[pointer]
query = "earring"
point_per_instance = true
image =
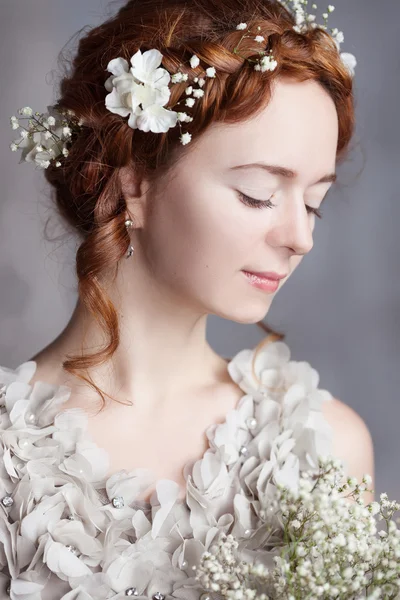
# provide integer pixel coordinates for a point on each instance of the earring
(128, 225)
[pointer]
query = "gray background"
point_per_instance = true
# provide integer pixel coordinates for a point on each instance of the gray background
(340, 310)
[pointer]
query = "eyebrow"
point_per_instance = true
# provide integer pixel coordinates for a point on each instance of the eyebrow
(284, 172)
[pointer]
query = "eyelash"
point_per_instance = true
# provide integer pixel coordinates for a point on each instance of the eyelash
(268, 204)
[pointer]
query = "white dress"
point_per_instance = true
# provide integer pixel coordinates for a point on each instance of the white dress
(69, 532)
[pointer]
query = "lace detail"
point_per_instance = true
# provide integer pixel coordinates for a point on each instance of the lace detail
(69, 531)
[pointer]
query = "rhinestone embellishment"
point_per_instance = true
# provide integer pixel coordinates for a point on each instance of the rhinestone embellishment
(30, 418)
(132, 591)
(243, 450)
(72, 549)
(7, 501)
(158, 596)
(118, 502)
(251, 423)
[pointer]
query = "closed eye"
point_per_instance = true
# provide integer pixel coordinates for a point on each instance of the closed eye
(268, 204)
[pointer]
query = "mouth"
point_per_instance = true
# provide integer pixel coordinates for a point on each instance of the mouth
(271, 275)
(268, 284)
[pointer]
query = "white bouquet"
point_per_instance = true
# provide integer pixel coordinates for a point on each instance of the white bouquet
(318, 541)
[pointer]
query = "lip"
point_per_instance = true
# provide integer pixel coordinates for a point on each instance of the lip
(263, 283)
(266, 275)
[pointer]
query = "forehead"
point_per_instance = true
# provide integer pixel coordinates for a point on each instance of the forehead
(297, 129)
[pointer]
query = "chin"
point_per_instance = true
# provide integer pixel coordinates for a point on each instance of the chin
(247, 314)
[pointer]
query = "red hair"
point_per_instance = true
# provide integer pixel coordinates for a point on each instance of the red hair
(87, 187)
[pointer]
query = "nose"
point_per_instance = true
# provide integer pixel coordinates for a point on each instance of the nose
(292, 226)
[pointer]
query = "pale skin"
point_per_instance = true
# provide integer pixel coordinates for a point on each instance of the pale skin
(193, 236)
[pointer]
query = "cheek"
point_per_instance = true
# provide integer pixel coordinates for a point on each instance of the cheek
(196, 238)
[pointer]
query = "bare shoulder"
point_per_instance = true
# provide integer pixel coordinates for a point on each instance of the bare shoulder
(352, 440)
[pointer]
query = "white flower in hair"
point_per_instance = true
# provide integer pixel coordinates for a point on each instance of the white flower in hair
(349, 61)
(194, 61)
(141, 91)
(45, 139)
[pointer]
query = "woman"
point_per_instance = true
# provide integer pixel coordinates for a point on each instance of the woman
(129, 445)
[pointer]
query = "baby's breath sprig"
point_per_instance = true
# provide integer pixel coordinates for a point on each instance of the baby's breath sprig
(328, 548)
(266, 62)
(305, 20)
(46, 137)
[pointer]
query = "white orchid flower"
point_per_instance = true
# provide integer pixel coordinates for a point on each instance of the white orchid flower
(141, 92)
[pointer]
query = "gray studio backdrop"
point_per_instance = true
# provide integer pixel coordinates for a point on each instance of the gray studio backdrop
(340, 310)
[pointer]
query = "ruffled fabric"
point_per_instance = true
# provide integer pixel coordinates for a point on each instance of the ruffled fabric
(68, 531)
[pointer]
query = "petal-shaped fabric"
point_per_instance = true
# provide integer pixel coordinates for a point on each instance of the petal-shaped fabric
(77, 533)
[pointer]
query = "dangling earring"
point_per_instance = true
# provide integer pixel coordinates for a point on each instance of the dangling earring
(128, 225)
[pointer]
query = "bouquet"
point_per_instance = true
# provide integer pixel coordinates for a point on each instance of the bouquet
(318, 541)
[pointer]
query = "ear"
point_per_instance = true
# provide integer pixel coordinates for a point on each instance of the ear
(134, 191)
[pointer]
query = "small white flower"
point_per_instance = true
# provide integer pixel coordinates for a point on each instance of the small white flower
(201, 82)
(382, 534)
(267, 63)
(311, 18)
(14, 122)
(259, 38)
(350, 62)
(189, 90)
(183, 117)
(58, 164)
(331, 8)
(339, 38)
(194, 61)
(13, 147)
(26, 111)
(241, 26)
(348, 573)
(65, 152)
(325, 15)
(185, 138)
(51, 121)
(210, 72)
(177, 77)
(314, 6)
(67, 131)
(198, 93)
(190, 101)
(375, 508)
(296, 523)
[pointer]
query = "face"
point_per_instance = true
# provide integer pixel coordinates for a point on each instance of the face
(202, 233)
